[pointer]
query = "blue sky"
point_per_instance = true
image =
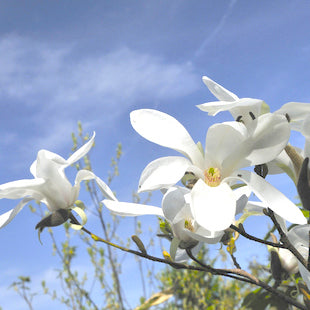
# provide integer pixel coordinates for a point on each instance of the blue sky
(95, 61)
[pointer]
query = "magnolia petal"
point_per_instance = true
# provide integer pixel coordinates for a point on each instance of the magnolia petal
(173, 202)
(86, 175)
(82, 151)
(305, 274)
(181, 255)
(215, 107)
(83, 217)
(299, 234)
(213, 208)
(305, 130)
(204, 235)
(22, 188)
(40, 168)
(296, 111)
(163, 172)
(242, 195)
(173, 247)
(50, 167)
(163, 129)
(223, 139)
(247, 109)
(244, 109)
(269, 195)
(269, 138)
(7, 217)
(131, 209)
(282, 163)
(219, 91)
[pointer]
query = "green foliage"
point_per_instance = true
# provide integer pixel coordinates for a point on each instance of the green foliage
(23, 290)
(260, 299)
(199, 290)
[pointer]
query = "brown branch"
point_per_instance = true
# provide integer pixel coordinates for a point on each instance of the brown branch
(236, 274)
(242, 232)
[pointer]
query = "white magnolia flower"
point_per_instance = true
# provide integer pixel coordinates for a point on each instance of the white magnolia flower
(242, 109)
(245, 109)
(176, 210)
(229, 147)
(50, 184)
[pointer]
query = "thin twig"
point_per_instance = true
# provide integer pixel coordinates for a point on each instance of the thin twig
(243, 233)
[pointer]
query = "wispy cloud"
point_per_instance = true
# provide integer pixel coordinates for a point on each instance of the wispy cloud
(211, 36)
(52, 86)
(32, 70)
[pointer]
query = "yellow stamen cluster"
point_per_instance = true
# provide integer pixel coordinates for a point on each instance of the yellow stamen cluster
(212, 176)
(189, 225)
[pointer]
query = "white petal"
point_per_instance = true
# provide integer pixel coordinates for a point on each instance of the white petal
(224, 139)
(242, 196)
(244, 108)
(22, 188)
(282, 163)
(269, 138)
(247, 109)
(7, 217)
(297, 112)
(131, 209)
(305, 274)
(269, 195)
(163, 172)
(305, 128)
(84, 175)
(181, 255)
(215, 107)
(173, 202)
(219, 91)
(299, 234)
(163, 129)
(82, 151)
(50, 166)
(213, 207)
(203, 235)
(38, 167)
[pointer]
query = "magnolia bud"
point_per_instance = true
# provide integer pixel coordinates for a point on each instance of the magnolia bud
(303, 185)
(276, 268)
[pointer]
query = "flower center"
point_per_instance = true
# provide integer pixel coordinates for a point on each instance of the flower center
(212, 176)
(188, 224)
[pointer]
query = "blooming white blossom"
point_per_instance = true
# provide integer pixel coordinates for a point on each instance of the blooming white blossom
(245, 109)
(248, 109)
(229, 147)
(176, 210)
(50, 184)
